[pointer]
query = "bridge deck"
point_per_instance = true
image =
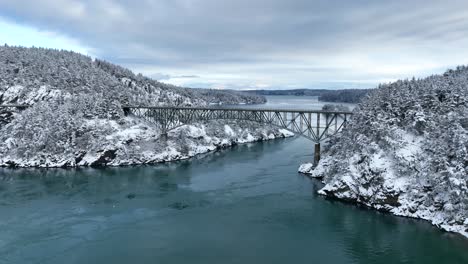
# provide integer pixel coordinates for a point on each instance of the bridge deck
(235, 108)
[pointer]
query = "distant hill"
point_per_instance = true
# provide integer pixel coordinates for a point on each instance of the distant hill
(296, 92)
(75, 115)
(342, 96)
(31, 75)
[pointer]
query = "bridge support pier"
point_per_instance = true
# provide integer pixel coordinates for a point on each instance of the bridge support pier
(163, 136)
(317, 154)
(126, 111)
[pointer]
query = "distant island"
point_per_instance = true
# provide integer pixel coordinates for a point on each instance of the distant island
(343, 96)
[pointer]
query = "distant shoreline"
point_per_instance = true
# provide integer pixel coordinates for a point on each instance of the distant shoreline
(343, 96)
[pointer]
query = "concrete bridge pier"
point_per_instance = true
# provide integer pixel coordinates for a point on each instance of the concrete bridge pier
(163, 135)
(126, 111)
(316, 154)
(163, 131)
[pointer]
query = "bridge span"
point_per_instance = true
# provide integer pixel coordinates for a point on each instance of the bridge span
(315, 125)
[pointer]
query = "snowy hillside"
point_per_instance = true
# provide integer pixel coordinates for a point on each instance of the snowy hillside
(406, 151)
(29, 75)
(75, 115)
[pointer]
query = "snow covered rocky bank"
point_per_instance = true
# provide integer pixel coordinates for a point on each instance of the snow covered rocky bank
(130, 142)
(75, 115)
(405, 152)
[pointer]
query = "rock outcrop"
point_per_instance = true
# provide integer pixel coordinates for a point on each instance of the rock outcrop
(405, 151)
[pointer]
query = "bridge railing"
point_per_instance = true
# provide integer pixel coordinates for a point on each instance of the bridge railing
(211, 108)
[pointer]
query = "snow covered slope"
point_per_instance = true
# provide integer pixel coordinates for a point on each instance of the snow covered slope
(29, 75)
(406, 151)
(76, 114)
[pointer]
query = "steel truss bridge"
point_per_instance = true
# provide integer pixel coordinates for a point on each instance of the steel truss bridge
(315, 125)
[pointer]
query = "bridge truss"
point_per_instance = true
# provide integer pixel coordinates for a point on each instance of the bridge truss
(314, 125)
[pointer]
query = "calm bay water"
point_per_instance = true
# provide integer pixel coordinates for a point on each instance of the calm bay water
(293, 102)
(245, 204)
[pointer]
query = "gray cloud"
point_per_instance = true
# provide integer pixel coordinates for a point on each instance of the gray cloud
(186, 76)
(163, 76)
(160, 76)
(297, 42)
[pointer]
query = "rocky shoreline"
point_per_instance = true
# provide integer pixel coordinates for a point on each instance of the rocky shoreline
(405, 151)
(137, 142)
(391, 201)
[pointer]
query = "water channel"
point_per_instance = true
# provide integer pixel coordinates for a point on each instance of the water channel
(245, 204)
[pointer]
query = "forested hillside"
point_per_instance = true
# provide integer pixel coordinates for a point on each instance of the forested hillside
(406, 151)
(325, 95)
(75, 115)
(353, 96)
(28, 75)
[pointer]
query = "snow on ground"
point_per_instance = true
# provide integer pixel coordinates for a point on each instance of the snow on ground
(411, 146)
(228, 130)
(286, 133)
(391, 194)
(137, 142)
(12, 93)
(405, 152)
(385, 180)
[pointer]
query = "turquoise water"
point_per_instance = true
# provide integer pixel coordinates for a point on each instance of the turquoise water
(240, 205)
(293, 102)
(245, 204)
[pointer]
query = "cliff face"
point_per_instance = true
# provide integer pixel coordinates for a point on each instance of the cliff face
(406, 151)
(75, 115)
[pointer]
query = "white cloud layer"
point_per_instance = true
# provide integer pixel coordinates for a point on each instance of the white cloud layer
(255, 43)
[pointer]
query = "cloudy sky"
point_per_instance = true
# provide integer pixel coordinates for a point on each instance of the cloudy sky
(243, 44)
